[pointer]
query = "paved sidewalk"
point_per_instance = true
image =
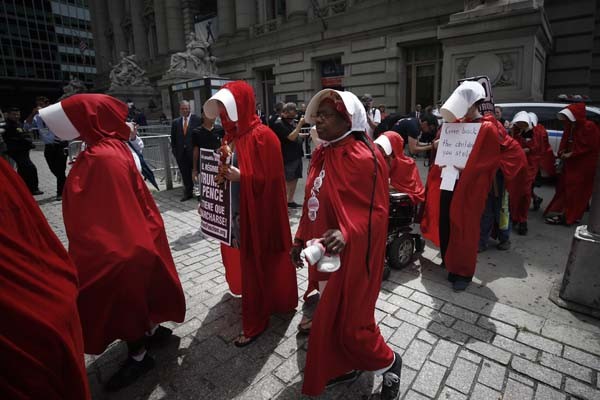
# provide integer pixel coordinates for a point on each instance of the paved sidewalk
(500, 339)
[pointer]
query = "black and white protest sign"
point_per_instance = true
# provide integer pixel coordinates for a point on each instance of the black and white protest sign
(215, 201)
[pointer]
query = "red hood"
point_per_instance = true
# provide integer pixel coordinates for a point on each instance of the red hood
(97, 116)
(578, 110)
(245, 103)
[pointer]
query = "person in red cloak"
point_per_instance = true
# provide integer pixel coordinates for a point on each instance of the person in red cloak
(546, 156)
(578, 150)
(452, 218)
(261, 269)
(404, 174)
(547, 160)
(41, 346)
(533, 146)
(346, 208)
(117, 240)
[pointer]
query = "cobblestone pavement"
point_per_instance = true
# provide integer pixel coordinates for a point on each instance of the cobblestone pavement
(473, 345)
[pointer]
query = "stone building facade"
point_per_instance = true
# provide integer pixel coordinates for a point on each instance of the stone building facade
(409, 52)
(150, 29)
(402, 52)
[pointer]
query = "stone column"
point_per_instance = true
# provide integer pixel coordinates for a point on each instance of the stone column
(226, 15)
(245, 16)
(261, 18)
(162, 38)
(174, 25)
(115, 9)
(140, 40)
(296, 9)
(99, 16)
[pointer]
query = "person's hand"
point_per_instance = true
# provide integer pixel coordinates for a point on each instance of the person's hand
(195, 175)
(334, 241)
(232, 174)
(564, 156)
(295, 256)
(301, 122)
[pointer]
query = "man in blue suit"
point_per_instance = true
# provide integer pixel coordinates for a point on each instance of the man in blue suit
(182, 147)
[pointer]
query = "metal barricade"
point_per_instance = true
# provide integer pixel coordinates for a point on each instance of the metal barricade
(157, 154)
(75, 147)
(154, 130)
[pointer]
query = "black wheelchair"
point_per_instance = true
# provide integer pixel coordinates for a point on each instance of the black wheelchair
(402, 244)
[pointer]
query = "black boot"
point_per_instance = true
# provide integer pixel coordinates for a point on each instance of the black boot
(391, 380)
(129, 373)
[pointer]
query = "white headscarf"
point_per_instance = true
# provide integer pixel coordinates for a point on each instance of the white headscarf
(522, 116)
(463, 97)
(534, 119)
(354, 108)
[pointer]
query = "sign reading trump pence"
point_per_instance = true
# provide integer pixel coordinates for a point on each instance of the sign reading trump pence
(215, 202)
(454, 148)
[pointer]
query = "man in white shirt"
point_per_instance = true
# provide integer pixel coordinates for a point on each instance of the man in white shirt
(373, 114)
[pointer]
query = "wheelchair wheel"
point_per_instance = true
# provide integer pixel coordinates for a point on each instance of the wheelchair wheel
(400, 251)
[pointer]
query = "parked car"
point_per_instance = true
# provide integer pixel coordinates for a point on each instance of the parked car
(547, 116)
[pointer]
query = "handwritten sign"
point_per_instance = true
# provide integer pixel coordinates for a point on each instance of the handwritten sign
(454, 148)
(215, 202)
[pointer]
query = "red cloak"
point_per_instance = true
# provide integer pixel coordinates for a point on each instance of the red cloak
(513, 164)
(547, 159)
(404, 174)
(117, 239)
(344, 335)
(41, 346)
(468, 202)
(575, 183)
(268, 277)
(519, 203)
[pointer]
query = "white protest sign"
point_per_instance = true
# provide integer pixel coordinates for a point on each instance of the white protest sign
(454, 149)
(215, 201)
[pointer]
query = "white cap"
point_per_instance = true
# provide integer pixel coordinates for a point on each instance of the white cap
(211, 106)
(522, 116)
(566, 113)
(385, 144)
(534, 119)
(463, 97)
(56, 119)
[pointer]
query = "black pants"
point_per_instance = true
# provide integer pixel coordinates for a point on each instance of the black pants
(26, 169)
(445, 201)
(56, 157)
(185, 163)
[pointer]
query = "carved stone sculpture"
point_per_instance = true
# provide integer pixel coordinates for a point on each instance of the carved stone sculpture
(128, 73)
(73, 87)
(195, 59)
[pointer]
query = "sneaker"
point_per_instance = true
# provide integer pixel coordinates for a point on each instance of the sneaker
(504, 245)
(160, 338)
(522, 229)
(390, 389)
(293, 204)
(129, 373)
(348, 377)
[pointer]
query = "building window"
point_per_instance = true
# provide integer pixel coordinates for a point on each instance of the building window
(266, 94)
(423, 75)
(332, 73)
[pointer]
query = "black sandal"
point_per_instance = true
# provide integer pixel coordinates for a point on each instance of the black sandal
(249, 341)
(555, 220)
(304, 327)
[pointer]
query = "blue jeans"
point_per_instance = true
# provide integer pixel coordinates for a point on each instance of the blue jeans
(496, 207)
